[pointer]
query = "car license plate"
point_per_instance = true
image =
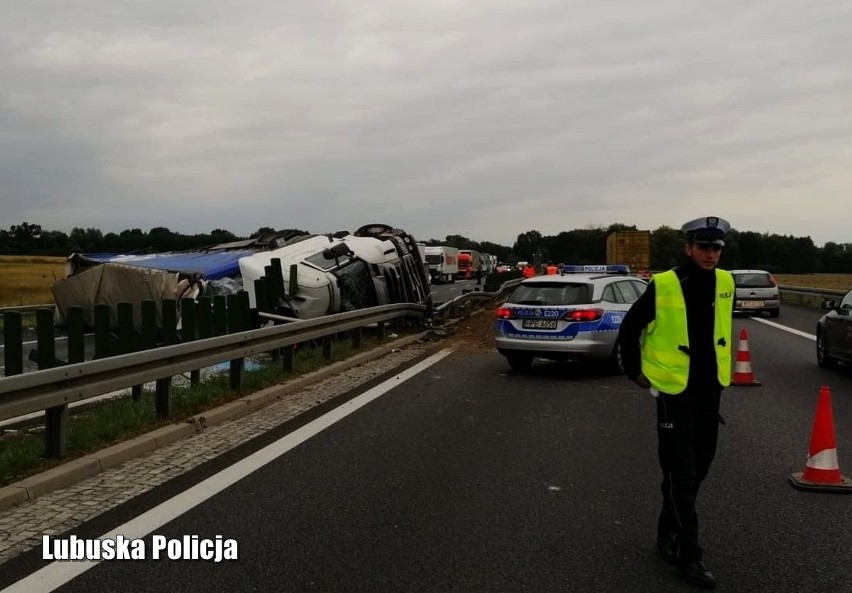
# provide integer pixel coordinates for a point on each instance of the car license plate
(539, 324)
(752, 304)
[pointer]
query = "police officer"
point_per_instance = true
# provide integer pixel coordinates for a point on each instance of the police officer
(683, 321)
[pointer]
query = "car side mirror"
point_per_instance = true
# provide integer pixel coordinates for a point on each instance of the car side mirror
(829, 304)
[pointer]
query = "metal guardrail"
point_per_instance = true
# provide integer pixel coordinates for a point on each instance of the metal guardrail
(41, 390)
(45, 389)
(449, 308)
(802, 292)
(806, 291)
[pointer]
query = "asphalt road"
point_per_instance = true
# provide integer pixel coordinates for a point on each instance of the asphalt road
(471, 477)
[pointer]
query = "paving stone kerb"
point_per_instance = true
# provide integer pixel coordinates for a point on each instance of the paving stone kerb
(87, 466)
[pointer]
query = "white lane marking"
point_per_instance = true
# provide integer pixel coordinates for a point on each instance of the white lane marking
(787, 329)
(56, 574)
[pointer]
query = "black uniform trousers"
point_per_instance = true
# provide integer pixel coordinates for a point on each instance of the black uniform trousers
(687, 430)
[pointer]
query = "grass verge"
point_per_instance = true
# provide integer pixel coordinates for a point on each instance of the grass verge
(102, 425)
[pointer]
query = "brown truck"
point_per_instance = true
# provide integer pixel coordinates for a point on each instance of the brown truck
(632, 248)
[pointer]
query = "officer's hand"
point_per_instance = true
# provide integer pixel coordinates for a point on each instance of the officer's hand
(642, 381)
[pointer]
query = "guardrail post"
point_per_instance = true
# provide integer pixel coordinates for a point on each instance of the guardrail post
(189, 330)
(326, 347)
(13, 338)
(294, 280)
(380, 331)
(169, 329)
(148, 335)
(261, 295)
(126, 334)
(220, 315)
(75, 327)
(235, 325)
(288, 356)
(103, 331)
(205, 318)
(45, 336)
(278, 277)
(271, 288)
(56, 418)
(356, 338)
(169, 333)
(245, 311)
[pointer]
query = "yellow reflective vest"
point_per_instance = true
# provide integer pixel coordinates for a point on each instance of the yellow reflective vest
(665, 344)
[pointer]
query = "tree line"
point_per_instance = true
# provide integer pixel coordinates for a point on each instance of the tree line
(743, 249)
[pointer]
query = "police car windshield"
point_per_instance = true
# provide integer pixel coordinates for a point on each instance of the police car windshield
(550, 294)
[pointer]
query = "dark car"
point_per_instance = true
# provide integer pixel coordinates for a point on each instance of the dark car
(834, 332)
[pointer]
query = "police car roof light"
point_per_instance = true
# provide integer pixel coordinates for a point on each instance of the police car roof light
(597, 269)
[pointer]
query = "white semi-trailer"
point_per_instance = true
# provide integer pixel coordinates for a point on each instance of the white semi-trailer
(443, 263)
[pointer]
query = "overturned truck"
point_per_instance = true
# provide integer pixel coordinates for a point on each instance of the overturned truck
(323, 273)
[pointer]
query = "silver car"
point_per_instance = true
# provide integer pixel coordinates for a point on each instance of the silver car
(756, 291)
(573, 315)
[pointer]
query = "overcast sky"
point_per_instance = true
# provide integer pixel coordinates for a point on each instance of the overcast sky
(485, 118)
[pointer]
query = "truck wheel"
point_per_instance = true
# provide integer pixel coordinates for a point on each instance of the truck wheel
(373, 230)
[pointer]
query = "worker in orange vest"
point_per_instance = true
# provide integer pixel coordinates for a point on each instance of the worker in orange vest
(529, 271)
(551, 269)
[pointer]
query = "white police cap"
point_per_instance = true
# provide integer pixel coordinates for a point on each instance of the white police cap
(710, 229)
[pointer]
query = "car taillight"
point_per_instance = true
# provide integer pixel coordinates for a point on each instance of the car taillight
(772, 280)
(505, 313)
(583, 315)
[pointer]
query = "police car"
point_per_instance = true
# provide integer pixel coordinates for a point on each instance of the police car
(573, 315)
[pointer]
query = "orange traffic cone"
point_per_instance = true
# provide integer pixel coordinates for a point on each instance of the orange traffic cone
(743, 375)
(822, 473)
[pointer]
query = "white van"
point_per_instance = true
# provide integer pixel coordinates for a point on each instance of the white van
(443, 262)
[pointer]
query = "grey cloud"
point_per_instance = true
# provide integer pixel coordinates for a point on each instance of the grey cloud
(481, 119)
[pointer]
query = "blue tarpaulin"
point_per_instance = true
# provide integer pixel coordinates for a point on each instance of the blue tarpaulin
(210, 265)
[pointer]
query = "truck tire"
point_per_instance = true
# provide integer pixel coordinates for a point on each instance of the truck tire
(373, 230)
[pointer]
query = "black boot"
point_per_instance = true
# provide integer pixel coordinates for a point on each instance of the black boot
(697, 574)
(667, 550)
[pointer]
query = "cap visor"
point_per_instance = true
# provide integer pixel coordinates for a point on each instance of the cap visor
(718, 242)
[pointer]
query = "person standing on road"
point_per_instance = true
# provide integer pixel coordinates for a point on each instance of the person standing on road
(676, 341)
(529, 271)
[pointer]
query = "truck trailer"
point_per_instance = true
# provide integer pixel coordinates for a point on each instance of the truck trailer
(469, 262)
(443, 263)
(631, 248)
